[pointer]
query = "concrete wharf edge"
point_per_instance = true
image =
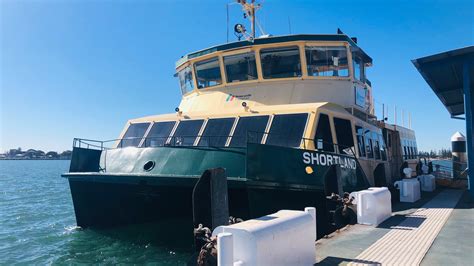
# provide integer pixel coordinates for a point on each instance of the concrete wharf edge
(410, 236)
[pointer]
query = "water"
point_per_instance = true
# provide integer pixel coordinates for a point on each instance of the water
(37, 225)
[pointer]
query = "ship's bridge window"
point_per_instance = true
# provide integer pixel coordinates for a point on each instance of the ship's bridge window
(323, 135)
(216, 132)
(345, 140)
(358, 68)
(186, 132)
(360, 141)
(281, 62)
(327, 61)
(186, 80)
(134, 135)
(240, 67)
(287, 130)
(208, 73)
(249, 129)
(158, 134)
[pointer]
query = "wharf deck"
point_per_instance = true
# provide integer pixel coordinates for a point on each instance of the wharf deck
(437, 230)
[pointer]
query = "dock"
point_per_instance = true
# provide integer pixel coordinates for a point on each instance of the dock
(436, 230)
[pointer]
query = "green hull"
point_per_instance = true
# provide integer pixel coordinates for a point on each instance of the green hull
(262, 179)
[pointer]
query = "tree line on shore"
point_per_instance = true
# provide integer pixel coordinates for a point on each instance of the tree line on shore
(32, 154)
(442, 153)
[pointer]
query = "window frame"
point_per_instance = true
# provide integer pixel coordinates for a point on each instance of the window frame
(301, 44)
(236, 123)
(332, 130)
(364, 147)
(351, 125)
(205, 126)
(240, 52)
(286, 45)
(182, 68)
(173, 132)
(167, 140)
(270, 124)
(139, 144)
(322, 44)
(221, 71)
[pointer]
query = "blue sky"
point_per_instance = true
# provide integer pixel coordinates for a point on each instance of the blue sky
(83, 68)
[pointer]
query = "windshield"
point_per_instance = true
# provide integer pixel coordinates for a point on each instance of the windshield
(186, 80)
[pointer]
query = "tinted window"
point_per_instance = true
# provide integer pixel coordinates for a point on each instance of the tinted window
(216, 132)
(287, 130)
(323, 137)
(134, 135)
(186, 132)
(369, 144)
(252, 127)
(356, 64)
(281, 62)
(383, 148)
(240, 67)
(186, 80)
(360, 141)
(344, 137)
(159, 134)
(327, 61)
(376, 145)
(208, 73)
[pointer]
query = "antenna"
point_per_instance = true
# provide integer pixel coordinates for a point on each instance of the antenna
(250, 10)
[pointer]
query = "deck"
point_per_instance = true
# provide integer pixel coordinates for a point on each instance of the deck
(436, 230)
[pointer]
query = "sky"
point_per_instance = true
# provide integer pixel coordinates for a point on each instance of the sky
(83, 68)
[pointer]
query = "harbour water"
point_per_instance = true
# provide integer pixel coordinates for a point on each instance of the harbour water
(37, 225)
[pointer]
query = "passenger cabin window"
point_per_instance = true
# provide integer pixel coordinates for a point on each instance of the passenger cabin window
(216, 132)
(357, 66)
(186, 132)
(287, 130)
(186, 80)
(240, 67)
(360, 141)
(134, 135)
(383, 148)
(345, 140)
(376, 145)
(249, 129)
(208, 73)
(281, 62)
(327, 61)
(323, 135)
(158, 134)
(369, 144)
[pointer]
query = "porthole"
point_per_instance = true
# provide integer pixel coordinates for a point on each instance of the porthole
(149, 166)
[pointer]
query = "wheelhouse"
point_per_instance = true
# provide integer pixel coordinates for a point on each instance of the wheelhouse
(294, 57)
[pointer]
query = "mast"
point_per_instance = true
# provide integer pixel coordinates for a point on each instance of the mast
(250, 11)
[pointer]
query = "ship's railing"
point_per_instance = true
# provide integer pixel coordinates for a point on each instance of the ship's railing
(218, 141)
(450, 169)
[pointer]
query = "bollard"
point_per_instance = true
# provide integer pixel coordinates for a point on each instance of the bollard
(312, 211)
(458, 146)
(225, 249)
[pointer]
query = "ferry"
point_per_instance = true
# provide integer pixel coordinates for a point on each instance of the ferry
(290, 118)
